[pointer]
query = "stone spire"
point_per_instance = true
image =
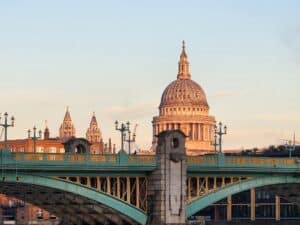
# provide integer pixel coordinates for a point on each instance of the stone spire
(183, 65)
(93, 133)
(67, 129)
(46, 132)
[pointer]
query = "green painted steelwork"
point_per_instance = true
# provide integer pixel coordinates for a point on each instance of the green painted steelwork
(147, 163)
(134, 165)
(263, 170)
(221, 193)
(213, 164)
(110, 201)
(79, 164)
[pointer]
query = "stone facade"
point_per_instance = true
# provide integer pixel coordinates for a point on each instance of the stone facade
(184, 106)
(67, 129)
(94, 136)
(167, 189)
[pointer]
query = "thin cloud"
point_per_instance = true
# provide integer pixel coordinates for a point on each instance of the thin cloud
(278, 117)
(224, 94)
(138, 111)
(291, 41)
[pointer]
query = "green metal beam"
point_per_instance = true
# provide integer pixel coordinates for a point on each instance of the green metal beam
(221, 193)
(110, 201)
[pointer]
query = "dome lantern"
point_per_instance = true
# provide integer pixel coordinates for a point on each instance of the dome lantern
(183, 65)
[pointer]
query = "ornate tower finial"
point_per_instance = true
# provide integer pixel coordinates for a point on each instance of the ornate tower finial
(46, 131)
(67, 129)
(183, 65)
(93, 133)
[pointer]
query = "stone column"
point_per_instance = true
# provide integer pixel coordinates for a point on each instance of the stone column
(167, 184)
(229, 208)
(175, 126)
(153, 132)
(252, 204)
(201, 132)
(277, 208)
(188, 131)
(195, 131)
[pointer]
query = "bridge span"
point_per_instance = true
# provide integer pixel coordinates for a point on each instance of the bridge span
(166, 188)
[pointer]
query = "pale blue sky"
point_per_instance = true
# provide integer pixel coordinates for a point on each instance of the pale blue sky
(116, 58)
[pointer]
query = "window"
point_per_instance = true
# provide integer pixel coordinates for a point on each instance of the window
(40, 149)
(52, 149)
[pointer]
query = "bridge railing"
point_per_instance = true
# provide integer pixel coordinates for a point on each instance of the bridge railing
(21, 156)
(122, 158)
(111, 159)
(221, 160)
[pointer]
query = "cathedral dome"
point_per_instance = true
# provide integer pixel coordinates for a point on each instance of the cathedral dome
(184, 107)
(183, 91)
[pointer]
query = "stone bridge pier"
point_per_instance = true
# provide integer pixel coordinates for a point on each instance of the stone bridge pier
(167, 183)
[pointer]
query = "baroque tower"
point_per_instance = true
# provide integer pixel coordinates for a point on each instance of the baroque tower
(184, 107)
(94, 136)
(67, 129)
(93, 133)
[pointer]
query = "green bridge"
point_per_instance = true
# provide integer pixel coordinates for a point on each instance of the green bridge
(121, 188)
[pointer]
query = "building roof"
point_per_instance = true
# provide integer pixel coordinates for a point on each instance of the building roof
(183, 91)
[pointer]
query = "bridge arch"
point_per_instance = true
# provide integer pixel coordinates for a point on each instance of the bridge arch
(221, 193)
(128, 211)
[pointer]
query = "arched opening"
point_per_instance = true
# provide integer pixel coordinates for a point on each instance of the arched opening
(77, 145)
(72, 203)
(80, 149)
(268, 197)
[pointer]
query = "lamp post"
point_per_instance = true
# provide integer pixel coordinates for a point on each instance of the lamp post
(34, 137)
(215, 140)
(130, 140)
(6, 125)
(220, 131)
(123, 128)
(289, 147)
